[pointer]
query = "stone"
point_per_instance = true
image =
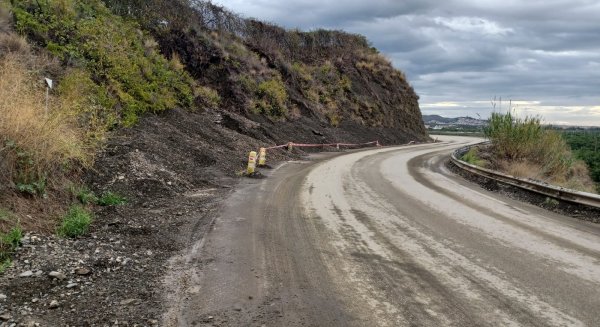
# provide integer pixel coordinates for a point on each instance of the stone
(83, 271)
(127, 302)
(27, 273)
(71, 285)
(5, 317)
(57, 275)
(2, 297)
(53, 304)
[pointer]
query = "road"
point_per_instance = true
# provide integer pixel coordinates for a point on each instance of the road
(385, 237)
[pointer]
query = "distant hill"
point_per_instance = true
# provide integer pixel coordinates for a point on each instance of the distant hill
(460, 121)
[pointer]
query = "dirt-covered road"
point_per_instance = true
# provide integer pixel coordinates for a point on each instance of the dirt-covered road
(385, 237)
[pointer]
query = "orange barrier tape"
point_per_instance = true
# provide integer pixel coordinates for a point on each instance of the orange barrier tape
(301, 145)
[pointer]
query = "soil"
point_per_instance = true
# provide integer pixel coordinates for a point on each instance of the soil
(562, 207)
(175, 171)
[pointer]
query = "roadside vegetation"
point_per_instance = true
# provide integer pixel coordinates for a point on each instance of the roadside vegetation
(522, 147)
(585, 145)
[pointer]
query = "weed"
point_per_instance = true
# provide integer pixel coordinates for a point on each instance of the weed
(4, 264)
(550, 202)
(111, 199)
(83, 195)
(9, 241)
(472, 157)
(76, 222)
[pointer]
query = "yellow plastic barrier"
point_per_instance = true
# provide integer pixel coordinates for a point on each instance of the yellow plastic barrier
(251, 162)
(262, 157)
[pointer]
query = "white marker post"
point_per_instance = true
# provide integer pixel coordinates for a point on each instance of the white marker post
(48, 87)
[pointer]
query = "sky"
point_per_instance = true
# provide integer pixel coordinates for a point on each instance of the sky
(542, 57)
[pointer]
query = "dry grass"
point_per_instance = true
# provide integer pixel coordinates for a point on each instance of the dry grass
(33, 145)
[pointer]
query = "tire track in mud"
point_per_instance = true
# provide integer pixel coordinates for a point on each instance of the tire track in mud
(388, 237)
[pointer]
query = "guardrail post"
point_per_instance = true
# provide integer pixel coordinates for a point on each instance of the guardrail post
(337, 146)
(262, 157)
(377, 143)
(251, 162)
(290, 146)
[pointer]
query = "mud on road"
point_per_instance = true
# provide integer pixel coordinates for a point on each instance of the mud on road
(385, 237)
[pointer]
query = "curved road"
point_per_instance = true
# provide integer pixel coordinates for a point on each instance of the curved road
(385, 237)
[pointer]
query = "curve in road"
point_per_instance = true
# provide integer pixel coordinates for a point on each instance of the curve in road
(385, 237)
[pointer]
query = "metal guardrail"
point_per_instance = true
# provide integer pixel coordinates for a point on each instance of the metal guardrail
(584, 198)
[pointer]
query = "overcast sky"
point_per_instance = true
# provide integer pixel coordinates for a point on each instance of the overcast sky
(459, 54)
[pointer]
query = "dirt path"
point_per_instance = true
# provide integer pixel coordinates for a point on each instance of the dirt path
(385, 237)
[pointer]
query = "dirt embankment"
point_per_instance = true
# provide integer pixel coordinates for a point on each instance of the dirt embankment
(174, 169)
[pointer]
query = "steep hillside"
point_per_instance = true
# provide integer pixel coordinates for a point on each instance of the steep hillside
(271, 74)
(116, 61)
(154, 107)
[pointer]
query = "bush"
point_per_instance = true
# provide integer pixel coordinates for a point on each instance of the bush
(76, 222)
(273, 97)
(520, 143)
(111, 199)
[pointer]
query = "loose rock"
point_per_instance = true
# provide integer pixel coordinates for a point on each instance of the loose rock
(57, 275)
(27, 273)
(54, 304)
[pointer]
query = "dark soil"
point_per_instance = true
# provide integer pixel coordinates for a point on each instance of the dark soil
(562, 207)
(175, 170)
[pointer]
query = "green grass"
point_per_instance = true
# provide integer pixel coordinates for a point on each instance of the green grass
(9, 241)
(83, 195)
(472, 157)
(111, 199)
(76, 222)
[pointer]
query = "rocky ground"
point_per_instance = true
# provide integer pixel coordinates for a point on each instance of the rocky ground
(175, 170)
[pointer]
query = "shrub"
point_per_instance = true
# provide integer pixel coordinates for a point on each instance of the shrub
(122, 60)
(273, 96)
(111, 199)
(208, 96)
(525, 143)
(76, 222)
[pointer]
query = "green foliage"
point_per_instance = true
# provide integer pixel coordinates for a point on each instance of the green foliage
(272, 98)
(4, 264)
(10, 240)
(472, 157)
(586, 146)
(209, 96)
(131, 77)
(76, 222)
(83, 195)
(111, 199)
(35, 188)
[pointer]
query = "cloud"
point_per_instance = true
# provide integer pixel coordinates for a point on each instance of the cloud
(467, 51)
